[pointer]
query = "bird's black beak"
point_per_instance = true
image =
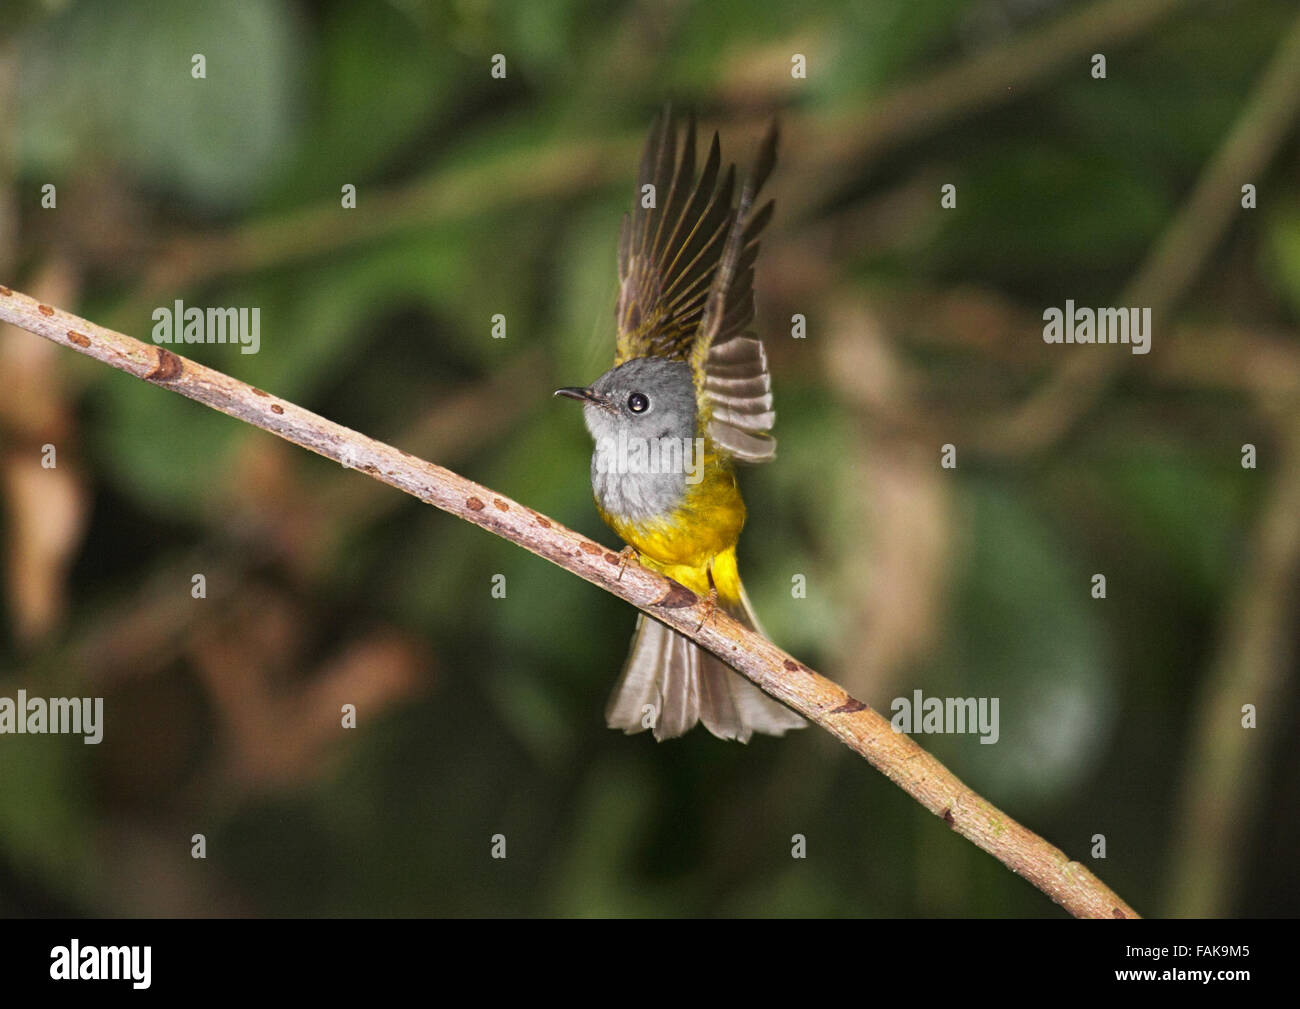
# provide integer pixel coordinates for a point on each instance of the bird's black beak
(584, 396)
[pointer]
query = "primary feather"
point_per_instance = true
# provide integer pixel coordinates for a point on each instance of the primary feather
(686, 283)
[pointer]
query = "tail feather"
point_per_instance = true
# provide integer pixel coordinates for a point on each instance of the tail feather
(669, 684)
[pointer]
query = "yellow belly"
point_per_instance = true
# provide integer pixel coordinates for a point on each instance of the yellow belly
(699, 535)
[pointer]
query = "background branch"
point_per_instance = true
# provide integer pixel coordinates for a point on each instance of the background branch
(1167, 273)
(820, 700)
(839, 142)
(1219, 799)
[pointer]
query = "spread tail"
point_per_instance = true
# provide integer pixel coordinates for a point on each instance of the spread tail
(669, 683)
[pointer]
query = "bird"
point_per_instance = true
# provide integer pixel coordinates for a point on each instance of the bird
(688, 398)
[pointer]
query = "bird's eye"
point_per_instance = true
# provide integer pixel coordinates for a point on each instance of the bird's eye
(638, 402)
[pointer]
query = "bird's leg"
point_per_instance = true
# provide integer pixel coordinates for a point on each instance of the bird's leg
(628, 553)
(710, 601)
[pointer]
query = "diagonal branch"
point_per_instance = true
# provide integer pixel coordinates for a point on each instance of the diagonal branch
(818, 699)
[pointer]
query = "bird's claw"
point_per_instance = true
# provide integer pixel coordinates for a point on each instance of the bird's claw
(710, 607)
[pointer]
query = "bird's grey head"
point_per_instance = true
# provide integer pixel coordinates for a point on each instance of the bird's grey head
(642, 415)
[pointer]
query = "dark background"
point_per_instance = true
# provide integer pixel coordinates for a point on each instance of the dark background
(477, 196)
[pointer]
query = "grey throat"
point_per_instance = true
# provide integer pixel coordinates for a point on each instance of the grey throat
(643, 421)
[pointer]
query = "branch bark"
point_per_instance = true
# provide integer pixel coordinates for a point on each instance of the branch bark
(815, 697)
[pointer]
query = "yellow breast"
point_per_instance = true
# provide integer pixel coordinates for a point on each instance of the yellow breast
(705, 526)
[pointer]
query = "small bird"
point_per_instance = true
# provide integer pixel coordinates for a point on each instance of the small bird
(689, 396)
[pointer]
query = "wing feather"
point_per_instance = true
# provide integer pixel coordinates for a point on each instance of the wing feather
(686, 282)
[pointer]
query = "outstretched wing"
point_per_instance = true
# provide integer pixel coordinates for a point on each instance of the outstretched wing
(686, 273)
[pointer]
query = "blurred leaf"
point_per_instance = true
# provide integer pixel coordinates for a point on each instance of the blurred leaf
(1176, 512)
(799, 516)
(1027, 632)
(113, 79)
(608, 817)
(46, 821)
(379, 82)
(1071, 222)
(1283, 260)
(882, 42)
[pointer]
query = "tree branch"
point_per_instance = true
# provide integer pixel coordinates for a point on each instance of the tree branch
(818, 699)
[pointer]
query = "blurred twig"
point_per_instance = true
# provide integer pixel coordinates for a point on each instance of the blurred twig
(859, 727)
(320, 229)
(1000, 336)
(1162, 280)
(840, 141)
(45, 509)
(8, 159)
(1166, 275)
(897, 565)
(1223, 771)
(987, 78)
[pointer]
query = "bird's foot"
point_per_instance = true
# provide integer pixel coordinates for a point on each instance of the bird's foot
(710, 607)
(625, 556)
